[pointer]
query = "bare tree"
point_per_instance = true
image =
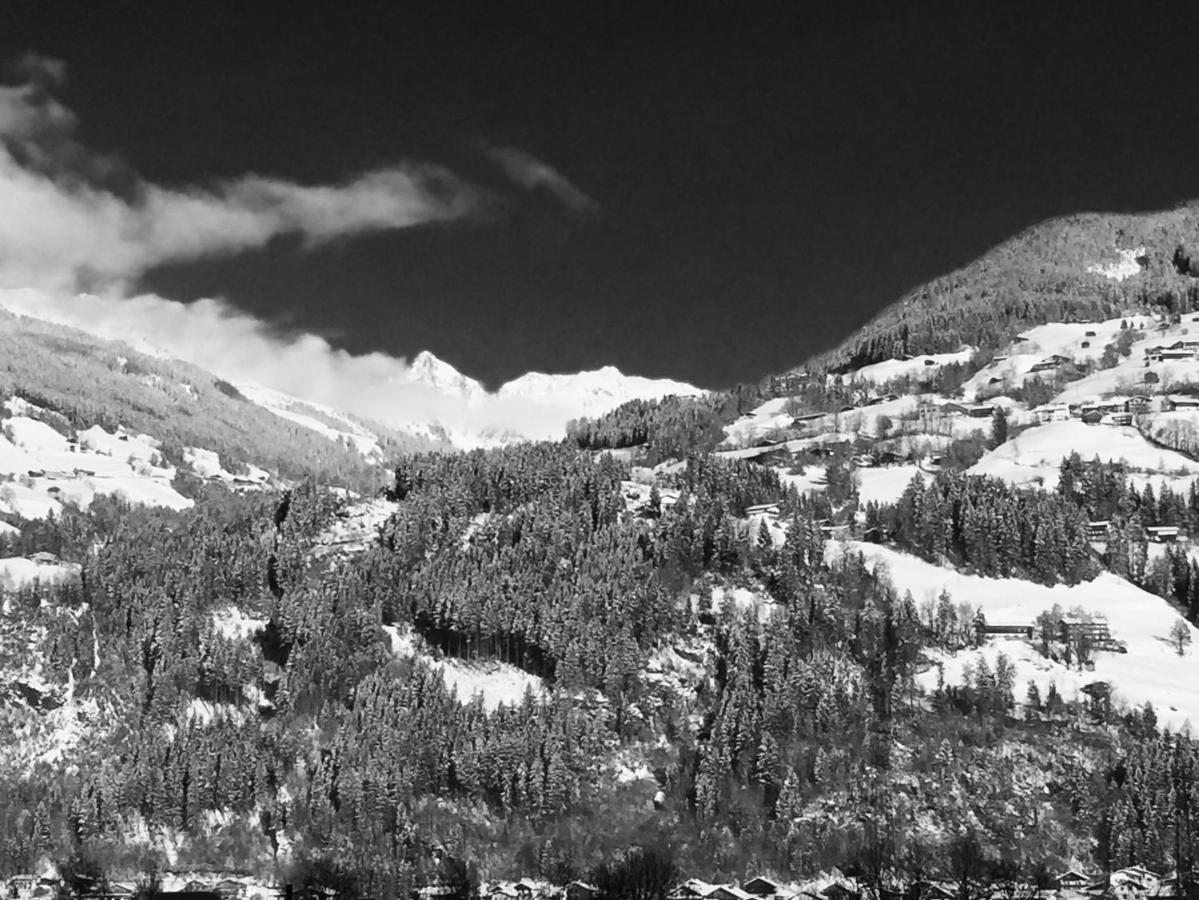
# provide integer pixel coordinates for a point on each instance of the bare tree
(1180, 636)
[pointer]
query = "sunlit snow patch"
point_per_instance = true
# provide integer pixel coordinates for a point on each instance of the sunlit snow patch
(1124, 266)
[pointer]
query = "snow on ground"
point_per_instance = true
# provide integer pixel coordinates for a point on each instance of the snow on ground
(1124, 266)
(813, 478)
(741, 599)
(885, 484)
(207, 464)
(916, 367)
(1033, 456)
(496, 682)
(324, 420)
(356, 527)
(1062, 339)
(127, 448)
(34, 436)
(233, 623)
(205, 713)
(40, 469)
(17, 572)
(769, 417)
(1151, 670)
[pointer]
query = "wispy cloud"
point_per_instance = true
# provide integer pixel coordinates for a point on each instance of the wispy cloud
(58, 228)
(532, 174)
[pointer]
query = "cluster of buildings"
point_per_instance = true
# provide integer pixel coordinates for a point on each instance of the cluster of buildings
(1177, 350)
(1133, 883)
(1111, 410)
(1157, 534)
(183, 886)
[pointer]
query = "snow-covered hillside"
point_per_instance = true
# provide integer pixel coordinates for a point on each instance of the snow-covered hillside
(41, 469)
(1151, 671)
(1034, 456)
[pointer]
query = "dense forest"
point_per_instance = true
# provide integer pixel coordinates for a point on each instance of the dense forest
(1040, 275)
(319, 739)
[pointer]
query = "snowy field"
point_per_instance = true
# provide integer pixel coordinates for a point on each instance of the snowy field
(1033, 457)
(1150, 671)
(1061, 339)
(885, 484)
(496, 682)
(916, 367)
(40, 469)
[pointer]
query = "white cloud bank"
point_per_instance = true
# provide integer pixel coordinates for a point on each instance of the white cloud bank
(70, 249)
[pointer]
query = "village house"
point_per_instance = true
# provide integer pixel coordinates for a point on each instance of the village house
(1072, 880)
(1050, 363)
(1163, 534)
(580, 890)
(1052, 412)
(980, 411)
(1097, 530)
(761, 886)
(691, 889)
(1024, 631)
(1180, 401)
(763, 509)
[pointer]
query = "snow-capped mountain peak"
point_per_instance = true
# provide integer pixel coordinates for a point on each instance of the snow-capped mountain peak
(436, 373)
(595, 391)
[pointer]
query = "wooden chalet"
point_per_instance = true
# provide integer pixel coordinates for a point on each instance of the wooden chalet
(1052, 412)
(1050, 363)
(761, 886)
(1097, 530)
(729, 892)
(1163, 534)
(1180, 401)
(1072, 880)
(1024, 631)
(980, 411)
(1139, 403)
(580, 890)
(691, 889)
(763, 509)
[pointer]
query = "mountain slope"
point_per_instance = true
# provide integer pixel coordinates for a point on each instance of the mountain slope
(92, 382)
(1074, 268)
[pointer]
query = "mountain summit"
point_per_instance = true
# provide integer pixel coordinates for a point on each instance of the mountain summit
(438, 374)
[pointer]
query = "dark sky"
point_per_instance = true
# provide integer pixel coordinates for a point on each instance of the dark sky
(767, 177)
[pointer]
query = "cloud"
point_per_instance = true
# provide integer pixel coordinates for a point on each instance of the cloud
(240, 348)
(531, 174)
(72, 249)
(59, 229)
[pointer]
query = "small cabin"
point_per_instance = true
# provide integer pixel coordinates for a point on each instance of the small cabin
(1024, 631)
(580, 890)
(1097, 530)
(761, 886)
(763, 509)
(1163, 534)
(1180, 401)
(980, 411)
